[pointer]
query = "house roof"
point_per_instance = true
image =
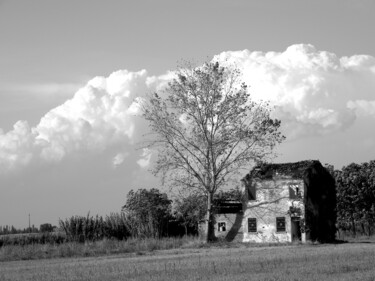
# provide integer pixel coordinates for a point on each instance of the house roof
(295, 170)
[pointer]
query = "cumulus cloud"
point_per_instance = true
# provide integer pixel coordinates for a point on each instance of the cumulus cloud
(314, 92)
(311, 89)
(99, 115)
(16, 146)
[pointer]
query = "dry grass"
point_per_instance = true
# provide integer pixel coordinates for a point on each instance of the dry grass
(95, 248)
(352, 261)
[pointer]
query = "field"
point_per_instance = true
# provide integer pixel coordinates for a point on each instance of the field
(350, 261)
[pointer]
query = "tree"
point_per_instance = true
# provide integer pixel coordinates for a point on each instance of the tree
(190, 209)
(148, 212)
(355, 185)
(206, 129)
(46, 227)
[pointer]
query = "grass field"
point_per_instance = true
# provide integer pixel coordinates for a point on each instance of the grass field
(351, 261)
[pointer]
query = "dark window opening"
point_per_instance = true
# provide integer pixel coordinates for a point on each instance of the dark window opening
(252, 192)
(252, 224)
(294, 192)
(280, 224)
(221, 226)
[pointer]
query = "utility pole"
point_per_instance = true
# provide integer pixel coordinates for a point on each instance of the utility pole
(29, 224)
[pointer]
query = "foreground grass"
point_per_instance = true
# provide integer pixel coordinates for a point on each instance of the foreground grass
(97, 248)
(351, 261)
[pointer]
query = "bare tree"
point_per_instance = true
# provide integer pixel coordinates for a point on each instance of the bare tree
(206, 129)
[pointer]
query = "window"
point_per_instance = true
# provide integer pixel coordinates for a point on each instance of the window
(294, 191)
(252, 192)
(280, 224)
(252, 225)
(221, 227)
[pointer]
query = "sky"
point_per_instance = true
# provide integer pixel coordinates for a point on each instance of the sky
(70, 72)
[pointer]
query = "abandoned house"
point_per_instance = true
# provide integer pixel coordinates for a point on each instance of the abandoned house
(281, 203)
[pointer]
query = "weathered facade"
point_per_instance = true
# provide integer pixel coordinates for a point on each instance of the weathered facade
(282, 203)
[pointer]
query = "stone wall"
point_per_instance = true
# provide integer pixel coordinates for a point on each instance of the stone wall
(228, 227)
(233, 226)
(272, 204)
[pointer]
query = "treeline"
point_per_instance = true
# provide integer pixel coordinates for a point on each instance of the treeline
(355, 195)
(151, 214)
(146, 214)
(10, 229)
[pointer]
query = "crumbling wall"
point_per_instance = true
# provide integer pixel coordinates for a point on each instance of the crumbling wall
(273, 200)
(233, 226)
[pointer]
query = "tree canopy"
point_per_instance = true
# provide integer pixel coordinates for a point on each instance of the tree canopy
(355, 185)
(148, 212)
(207, 129)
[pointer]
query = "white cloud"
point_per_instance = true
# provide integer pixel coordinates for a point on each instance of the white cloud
(96, 117)
(310, 88)
(100, 114)
(314, 93)
(16, 146)
(119, 159)
(363, 107)
(145, 160)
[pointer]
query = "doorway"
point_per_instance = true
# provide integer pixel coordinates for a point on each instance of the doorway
(296, 229)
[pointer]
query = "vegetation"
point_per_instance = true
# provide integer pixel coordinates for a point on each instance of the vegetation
(10, 229)
(206, 129)
(308, 262)
(147, 213)
(89, 228)
(52, 238)
(65, 249)
(355, 186)
(189, 210)
(148, 222)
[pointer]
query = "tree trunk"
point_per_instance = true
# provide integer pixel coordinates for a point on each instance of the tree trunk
(210, 227)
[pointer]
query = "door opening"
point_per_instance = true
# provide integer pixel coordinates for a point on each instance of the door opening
(296, 229)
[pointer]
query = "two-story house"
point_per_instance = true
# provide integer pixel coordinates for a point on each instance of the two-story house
(282, 203)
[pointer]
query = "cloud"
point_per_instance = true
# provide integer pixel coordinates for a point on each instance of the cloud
(119, 159)
(363, 107)
(311, 89)
(314, 93)
(100, 115)
(96, 117)
(145, 160)
(16, 146)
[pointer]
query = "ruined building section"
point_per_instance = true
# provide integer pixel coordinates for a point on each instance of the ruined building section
(228, 221)
(274, 210)
(282, 203)
(228, 218)
(289, 202)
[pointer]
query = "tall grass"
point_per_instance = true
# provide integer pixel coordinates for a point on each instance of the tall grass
(95, 248)
(90, 228)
